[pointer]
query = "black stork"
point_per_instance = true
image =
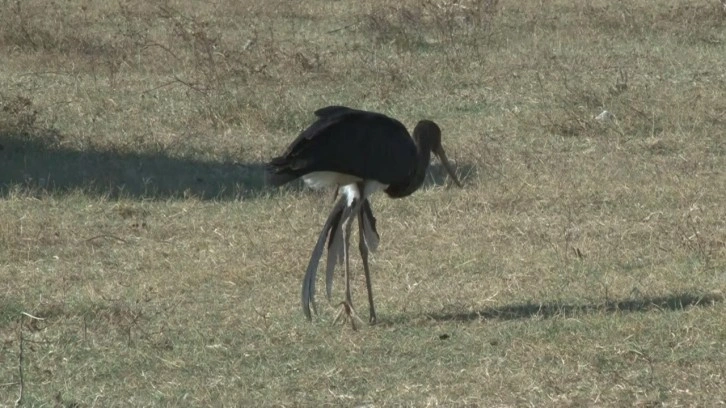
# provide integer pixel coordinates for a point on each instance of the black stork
(358, 153)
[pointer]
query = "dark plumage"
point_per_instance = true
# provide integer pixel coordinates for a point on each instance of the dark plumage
(359, 152)
(328, 144)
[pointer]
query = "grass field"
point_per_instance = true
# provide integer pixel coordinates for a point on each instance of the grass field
(143, 261)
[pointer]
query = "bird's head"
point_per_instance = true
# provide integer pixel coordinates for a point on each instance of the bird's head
(427, 135)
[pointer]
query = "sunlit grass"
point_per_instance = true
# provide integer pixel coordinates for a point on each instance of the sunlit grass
(143, 261)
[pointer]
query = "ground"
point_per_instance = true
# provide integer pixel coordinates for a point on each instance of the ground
(144, 262)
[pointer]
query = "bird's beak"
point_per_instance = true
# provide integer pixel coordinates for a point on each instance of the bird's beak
(445, 161)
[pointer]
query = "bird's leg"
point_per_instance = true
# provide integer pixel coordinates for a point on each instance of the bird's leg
(363, 247)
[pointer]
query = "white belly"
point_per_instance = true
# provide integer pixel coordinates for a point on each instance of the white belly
(346, 183)
(352, 192)
(323, 179)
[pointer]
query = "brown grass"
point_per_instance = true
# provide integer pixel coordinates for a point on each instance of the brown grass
(583, 264)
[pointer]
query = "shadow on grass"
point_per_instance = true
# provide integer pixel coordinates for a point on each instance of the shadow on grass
(678, 301)
(40, 163)
(44, 166)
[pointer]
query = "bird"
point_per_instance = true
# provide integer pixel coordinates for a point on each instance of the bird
(357, 153)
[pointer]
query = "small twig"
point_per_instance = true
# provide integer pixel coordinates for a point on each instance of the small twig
(31, 316)
(163, 47)
(10, 384)
(191, 85)
(20, 367)
(341, 28)
(39, 73)
(105, 236)
(164, 85)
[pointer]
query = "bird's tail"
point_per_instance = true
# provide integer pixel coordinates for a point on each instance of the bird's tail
(308, 287)
(335, 251)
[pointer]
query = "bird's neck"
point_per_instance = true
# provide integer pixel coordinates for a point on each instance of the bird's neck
(423, 158)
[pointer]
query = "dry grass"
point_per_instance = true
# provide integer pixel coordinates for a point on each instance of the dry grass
(583, 264)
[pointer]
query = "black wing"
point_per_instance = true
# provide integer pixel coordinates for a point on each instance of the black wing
(364, 144)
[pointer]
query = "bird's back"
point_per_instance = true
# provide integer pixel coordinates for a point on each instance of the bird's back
(362, 144)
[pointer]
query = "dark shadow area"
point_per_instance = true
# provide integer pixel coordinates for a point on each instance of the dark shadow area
(39, 162)
(43, 166)
(678, 301)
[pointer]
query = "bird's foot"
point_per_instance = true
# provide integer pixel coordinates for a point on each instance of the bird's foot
(347, 313)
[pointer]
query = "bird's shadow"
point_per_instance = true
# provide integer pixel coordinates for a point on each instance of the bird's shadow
(40, 162)
(548, 310)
